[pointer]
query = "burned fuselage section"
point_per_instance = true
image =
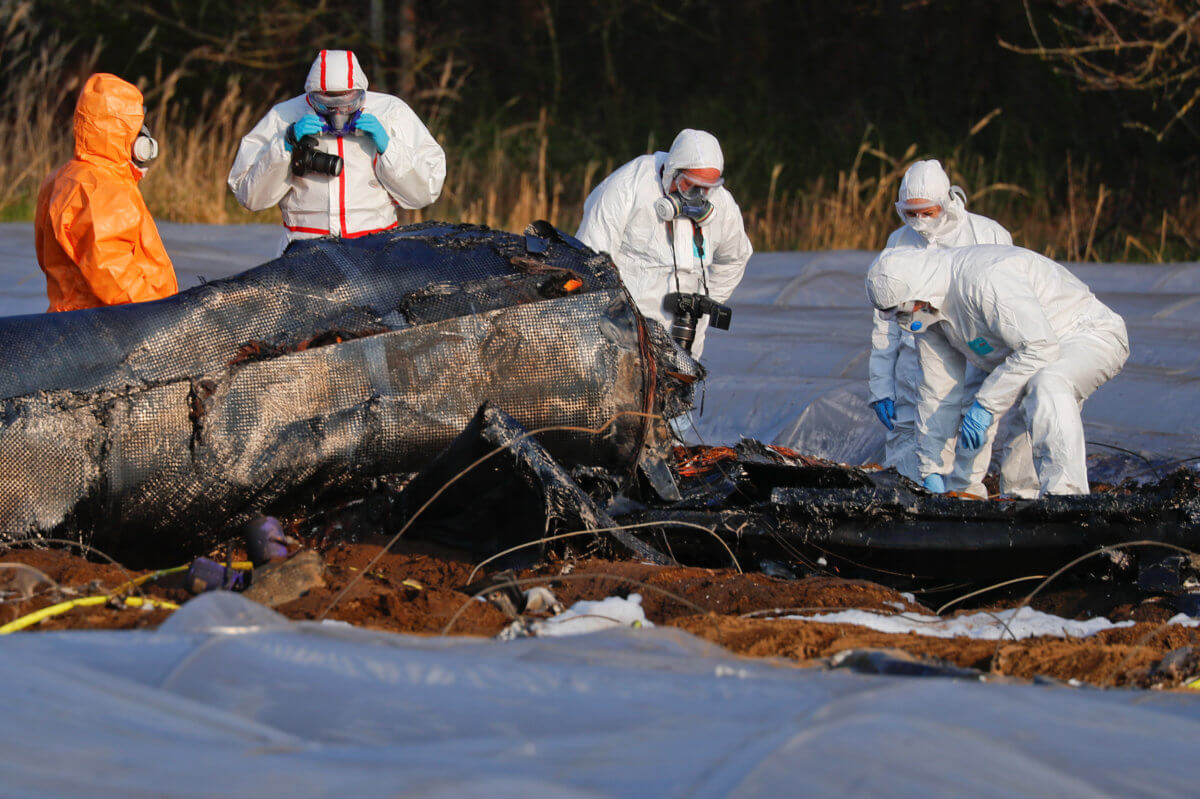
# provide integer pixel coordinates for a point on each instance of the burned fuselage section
(340, 362)
(770, 504)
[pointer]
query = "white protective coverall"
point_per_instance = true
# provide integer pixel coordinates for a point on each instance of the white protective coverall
(893, 369)
(363, 198)
(1044, 339)
(652, 255)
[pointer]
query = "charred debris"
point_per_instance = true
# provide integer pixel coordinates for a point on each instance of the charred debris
(484, 390)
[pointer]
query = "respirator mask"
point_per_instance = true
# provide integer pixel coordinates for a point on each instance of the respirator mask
(919, 214)
(689, 199)
(144, 150)
(914, 316)
(340, 110)
(676, 204)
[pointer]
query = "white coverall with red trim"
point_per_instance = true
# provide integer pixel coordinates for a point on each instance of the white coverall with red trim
(364, 197)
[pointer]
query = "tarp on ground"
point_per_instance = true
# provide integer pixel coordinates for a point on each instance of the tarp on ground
(227, 698)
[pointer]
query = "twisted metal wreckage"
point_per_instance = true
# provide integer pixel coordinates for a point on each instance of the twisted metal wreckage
(358, 379)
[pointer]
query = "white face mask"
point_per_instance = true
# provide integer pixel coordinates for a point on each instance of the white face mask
(930, 227)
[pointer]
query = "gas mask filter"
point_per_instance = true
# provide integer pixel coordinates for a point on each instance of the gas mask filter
(145, 149)
(676, 204)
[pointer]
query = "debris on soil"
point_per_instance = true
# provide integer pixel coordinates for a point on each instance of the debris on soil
(420, 590)
(284, 581)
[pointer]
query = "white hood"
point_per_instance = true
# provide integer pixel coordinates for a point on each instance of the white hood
(905, 274)
(335, 71)
(692, 149)
(927, 180)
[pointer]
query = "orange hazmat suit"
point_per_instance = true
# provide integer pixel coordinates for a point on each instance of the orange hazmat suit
(95, 238)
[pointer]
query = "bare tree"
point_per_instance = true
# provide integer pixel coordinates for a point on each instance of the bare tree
(1144, 46)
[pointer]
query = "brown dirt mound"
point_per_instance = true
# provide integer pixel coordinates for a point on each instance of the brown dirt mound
(420, 590)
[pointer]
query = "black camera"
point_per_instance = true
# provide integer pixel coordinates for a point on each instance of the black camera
(307, 158)
(687, 310)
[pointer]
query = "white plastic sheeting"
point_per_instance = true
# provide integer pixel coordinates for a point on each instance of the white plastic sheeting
(1014, 624)
(228, 698)
(589, 616)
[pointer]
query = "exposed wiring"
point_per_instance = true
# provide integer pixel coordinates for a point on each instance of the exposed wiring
(965, 597)
(469, 467)
(549, 538)
(1149, 464)
(80, 544)
(39, 575)
(1102, 550)
(756, 614)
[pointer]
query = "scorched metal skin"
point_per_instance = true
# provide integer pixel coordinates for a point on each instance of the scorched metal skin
(339, 362)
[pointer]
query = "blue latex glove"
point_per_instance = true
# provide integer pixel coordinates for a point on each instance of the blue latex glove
(370, 125)
(885, 409)
(975, 424)
(935, 484)
(307, 125)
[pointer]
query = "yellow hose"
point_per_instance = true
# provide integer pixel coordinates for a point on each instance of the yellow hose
(30, 619)
(238, 565)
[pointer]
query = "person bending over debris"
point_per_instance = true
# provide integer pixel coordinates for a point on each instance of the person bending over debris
(934, 215)
(94, 236)
(1037, 330)
(675, 233)
(338, 159)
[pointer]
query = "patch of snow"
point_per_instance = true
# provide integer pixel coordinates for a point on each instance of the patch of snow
(588, 616)
(1027, 623)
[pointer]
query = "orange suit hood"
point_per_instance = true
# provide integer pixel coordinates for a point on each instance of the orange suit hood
(95, 238)
(108, 116)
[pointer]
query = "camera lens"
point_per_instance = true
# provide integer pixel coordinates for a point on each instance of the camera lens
(307, 158)
(683, 330)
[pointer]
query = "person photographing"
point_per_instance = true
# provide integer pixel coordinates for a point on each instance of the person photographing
(339, 159)
(675, 234)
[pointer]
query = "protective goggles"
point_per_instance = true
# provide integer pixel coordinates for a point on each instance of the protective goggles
(337, 102)
(911, 209)
(694, 194)
(708, 177)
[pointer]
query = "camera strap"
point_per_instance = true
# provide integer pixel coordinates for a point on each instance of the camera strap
(689, 249)
(698, 246)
